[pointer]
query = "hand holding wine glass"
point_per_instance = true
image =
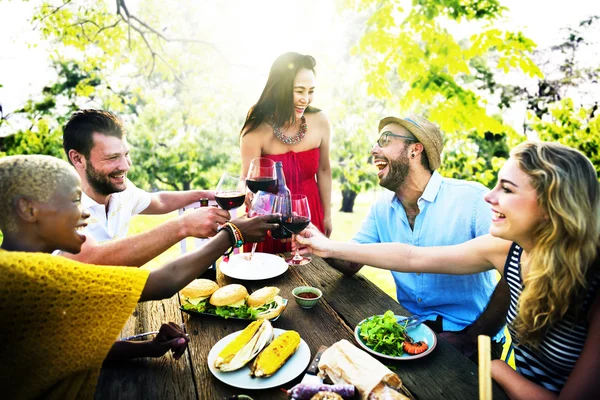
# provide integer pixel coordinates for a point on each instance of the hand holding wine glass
(262, 204)
(230, 192)
(294, 218)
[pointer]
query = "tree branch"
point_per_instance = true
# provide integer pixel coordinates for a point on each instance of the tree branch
(173, 185)
(56, 9)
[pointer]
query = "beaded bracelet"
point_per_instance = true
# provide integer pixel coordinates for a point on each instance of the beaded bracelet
(237, 240)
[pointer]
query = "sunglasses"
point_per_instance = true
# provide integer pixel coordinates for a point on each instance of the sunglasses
(384, 139)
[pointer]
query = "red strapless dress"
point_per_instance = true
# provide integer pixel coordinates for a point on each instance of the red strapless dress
(300, 171)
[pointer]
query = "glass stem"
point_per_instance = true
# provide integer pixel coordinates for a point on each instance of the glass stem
(297, 256)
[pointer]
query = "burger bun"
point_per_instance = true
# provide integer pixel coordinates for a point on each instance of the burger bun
(199, 288)
(229, 294)
(262, 296)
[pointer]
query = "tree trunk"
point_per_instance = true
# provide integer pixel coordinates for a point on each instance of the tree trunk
(186, 185)
(348, 197)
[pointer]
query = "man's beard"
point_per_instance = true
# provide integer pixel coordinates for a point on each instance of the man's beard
(398, 170)
(101, 184)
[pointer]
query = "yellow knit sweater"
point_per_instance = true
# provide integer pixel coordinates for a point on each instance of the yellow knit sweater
(59, 320)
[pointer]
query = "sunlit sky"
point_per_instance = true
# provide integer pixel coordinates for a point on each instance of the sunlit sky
(251, 34)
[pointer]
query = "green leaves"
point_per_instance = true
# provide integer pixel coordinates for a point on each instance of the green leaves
(383, 334)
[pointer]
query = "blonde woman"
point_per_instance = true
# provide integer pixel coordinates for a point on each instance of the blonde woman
(544, 241)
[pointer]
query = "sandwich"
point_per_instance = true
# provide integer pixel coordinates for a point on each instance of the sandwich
(245, 346)
(195, 295)
(266, 303)
(230, 302)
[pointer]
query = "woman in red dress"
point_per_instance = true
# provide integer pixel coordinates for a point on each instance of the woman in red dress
(283, 126)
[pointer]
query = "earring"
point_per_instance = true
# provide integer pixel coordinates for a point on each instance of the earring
(412, 155)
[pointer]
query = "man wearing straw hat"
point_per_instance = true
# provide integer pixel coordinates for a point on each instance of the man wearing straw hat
(422, 208)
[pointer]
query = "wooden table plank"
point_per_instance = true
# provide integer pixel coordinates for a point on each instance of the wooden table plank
(151, 378)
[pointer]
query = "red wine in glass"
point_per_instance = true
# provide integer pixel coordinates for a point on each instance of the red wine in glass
(261, 175)
(230, 192)
(266, 184)
(295, 216)
(295, 224)
(230, 200)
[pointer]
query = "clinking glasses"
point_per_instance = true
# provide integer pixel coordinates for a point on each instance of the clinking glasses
(384, 139)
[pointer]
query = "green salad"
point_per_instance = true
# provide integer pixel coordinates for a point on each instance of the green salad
(383, 334)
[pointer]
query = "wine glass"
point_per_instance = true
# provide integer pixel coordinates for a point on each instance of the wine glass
(230, 192)
(294, 218)
(261, 175)
(262, 204)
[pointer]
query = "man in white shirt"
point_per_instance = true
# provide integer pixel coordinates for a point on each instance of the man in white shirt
(96, 145)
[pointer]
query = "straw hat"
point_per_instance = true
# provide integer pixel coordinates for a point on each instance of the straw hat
(426, 133)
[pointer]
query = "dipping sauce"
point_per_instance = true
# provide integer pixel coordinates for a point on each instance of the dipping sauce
(307, 295)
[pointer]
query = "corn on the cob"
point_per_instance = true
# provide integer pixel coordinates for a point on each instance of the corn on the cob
(261, 338)
(275, 355)
(229, 351)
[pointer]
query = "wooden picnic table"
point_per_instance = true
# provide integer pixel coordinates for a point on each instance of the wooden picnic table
(443, 374)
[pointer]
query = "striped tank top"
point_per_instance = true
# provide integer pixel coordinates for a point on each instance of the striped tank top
(551, 364)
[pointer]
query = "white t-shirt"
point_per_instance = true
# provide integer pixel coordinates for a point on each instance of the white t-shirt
(114, 224)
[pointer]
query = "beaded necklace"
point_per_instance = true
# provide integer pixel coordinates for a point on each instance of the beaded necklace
(297, 138)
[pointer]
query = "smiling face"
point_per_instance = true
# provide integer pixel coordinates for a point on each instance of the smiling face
(61, 219)
(392, 160)
(106, 169)
(516, 214)
(304, 87)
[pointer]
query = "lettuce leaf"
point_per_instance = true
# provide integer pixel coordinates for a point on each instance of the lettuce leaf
(383, 334)
(243, 312)
(202, 307)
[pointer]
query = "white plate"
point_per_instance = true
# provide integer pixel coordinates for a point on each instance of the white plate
(241, 378)
(262, 266)
(419, 333)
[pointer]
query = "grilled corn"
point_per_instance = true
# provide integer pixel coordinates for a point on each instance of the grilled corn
(245, 346)
(275, 355)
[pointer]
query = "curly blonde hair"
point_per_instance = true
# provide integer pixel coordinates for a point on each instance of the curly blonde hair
(34, 176)
(566, 245)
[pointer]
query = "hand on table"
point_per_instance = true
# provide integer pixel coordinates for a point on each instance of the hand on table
(170, 337)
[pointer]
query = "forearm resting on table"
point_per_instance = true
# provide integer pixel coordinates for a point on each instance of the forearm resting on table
(516, 386)
(164, 282)
(132, 251)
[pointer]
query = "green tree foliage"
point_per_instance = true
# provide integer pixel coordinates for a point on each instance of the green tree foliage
(353, 136)
(578, 127)
(159, 84)
(175, 151)
(36, 128)
(554, 115)
(412, 60)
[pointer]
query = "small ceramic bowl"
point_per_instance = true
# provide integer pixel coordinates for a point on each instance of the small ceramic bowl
(305, 302)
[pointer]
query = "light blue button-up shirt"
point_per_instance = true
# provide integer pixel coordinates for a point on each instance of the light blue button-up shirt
(451, 212)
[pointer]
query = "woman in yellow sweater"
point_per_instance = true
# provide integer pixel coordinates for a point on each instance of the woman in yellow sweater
(60, 318)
